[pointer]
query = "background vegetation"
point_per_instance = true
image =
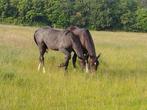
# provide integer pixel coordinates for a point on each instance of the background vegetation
(128, 15)
(119, 83)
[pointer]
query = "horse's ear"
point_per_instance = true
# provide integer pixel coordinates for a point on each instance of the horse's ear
(66, 32)
(71, 28)
(98, 56)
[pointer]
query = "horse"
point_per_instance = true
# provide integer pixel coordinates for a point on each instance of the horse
(92, 61)
(58, 40)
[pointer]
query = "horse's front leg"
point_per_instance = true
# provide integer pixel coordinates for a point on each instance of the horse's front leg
(86, 61)
(67, 58)
(74, 60)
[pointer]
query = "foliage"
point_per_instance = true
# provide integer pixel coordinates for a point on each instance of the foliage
(142, 20)
(95, 14)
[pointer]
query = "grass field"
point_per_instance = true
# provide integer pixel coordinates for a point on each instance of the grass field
(119, 84)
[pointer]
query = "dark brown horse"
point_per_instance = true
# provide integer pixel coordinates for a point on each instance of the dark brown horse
(59, 40)
(88, 47)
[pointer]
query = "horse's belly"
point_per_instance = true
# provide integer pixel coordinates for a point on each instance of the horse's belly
(53, 47)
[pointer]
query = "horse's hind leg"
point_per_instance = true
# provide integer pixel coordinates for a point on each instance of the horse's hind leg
(41, 57)
(74, 60)
(67, 58)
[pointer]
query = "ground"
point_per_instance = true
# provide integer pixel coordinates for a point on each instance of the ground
(119, 83)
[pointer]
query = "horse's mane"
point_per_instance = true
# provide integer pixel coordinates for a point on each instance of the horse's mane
(89, 43)
(66, 32)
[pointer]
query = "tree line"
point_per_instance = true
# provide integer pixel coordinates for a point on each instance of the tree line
(127, 15)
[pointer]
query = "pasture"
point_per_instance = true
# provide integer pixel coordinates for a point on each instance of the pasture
(119, 83)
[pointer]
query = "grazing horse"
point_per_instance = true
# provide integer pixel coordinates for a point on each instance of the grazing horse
(88, 47)
(59, 40)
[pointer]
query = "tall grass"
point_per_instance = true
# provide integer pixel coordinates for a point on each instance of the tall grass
(119, 83)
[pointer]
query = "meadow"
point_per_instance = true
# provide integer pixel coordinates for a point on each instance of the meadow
(119, 83)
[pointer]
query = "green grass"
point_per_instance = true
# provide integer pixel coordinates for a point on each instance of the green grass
(119, 83)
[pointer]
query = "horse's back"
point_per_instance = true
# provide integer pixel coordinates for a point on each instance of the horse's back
(53, 38)
(45, 35)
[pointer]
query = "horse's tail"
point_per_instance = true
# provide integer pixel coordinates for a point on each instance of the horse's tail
(35, 37)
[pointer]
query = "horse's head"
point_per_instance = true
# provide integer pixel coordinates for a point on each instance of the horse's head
(94, 63)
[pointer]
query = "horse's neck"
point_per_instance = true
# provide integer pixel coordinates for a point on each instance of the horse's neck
(88, 41)
(78, 50)
(89, 44)
(77, 47)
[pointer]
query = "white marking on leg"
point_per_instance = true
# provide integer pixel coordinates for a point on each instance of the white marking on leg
(44, 70)
(39, 66)
(87, 70)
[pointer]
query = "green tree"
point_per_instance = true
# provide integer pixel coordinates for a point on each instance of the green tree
(142, 20)
(24, 6)
(103, 15)
(37, 14)
(81, 13)
(7, 9)
(128, 14)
